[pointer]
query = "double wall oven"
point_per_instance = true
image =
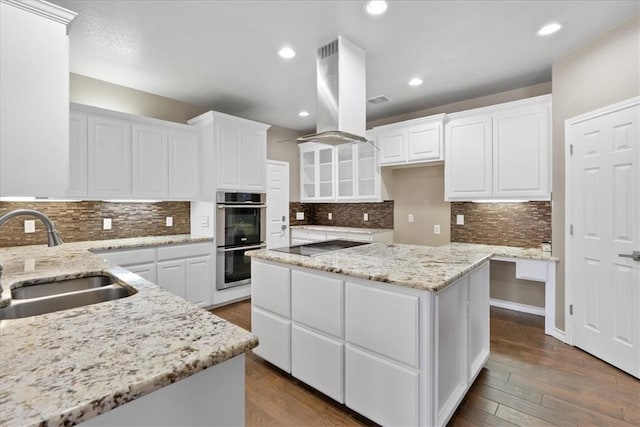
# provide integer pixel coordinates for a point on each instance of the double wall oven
(240, 227)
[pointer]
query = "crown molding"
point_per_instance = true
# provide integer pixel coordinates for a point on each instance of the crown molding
(44, 9)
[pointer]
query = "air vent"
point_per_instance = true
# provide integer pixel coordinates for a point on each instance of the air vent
(328, 49)
(378, 99)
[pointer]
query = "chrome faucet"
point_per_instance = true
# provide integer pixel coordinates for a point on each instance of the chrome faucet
(52, 234)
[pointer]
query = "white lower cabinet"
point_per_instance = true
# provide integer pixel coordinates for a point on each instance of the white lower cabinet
(172, 276)
(381, 390)
(274, 333)
(146, 271)
(396, 355)
(318, 361)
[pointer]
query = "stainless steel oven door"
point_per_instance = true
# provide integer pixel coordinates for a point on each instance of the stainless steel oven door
(241, 224)
(234, 267)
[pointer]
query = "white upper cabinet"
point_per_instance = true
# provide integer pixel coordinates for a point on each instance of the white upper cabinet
(234, 153)
(122, 156)
(34, 99)
(412, 141)
(346, 172)
(500, 152)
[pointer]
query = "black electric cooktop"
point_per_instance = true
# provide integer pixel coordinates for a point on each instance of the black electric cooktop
(319, 248)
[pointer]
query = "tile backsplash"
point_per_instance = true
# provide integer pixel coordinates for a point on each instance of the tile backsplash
(508, 224)
(344, 214)
(81, 221)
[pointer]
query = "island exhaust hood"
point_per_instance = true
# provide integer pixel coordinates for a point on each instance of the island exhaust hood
(341, 86)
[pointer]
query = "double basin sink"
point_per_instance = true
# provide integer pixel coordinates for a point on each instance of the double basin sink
(57, 295)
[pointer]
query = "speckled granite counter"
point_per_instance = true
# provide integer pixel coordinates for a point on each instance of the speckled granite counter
(342, 229)
(507, 251)
(65, 367)
(420, 267)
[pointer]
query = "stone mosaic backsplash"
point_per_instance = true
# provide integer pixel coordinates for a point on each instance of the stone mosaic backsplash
(344, 214)
(507, 224)
(82, 221)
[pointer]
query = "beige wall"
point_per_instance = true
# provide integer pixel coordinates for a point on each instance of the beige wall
(504, 286)
(282, 146)
(603, 72)
(98, 93)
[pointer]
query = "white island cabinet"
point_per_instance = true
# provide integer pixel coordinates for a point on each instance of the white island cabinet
(397, 353)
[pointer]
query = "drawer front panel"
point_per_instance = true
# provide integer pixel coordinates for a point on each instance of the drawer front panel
(317, 302)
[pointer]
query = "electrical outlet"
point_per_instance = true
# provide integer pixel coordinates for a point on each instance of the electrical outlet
(30, 226)
(410, 217)
(169, 221)
(330, 216)
(365, 217)
(106, 223)
(459, 219)
(436, 229)
(299, 216)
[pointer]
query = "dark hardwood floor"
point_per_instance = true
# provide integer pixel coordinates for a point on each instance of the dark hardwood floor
(530, 380)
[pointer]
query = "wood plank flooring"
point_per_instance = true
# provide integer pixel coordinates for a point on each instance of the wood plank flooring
(530, 380)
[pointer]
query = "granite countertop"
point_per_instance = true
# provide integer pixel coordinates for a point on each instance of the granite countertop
(508, 251)
(66, 367)
(420, 267)
(343, 229)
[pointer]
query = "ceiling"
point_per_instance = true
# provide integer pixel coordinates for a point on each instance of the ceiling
(223, 54)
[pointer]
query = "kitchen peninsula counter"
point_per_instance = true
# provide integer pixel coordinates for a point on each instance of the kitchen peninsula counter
(66, 367)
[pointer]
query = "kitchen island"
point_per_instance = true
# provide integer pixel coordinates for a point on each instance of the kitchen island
(150, 358)
(398, 333)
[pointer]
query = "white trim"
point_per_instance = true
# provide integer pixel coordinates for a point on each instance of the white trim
(490, 109)
(559, 335)
(516, 306)
(602, 111)
(44, 9)
(278, 162)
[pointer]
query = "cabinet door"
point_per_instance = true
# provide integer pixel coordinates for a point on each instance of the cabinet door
(380, 390)
(184, 164)
(345, 158)
(271, 289)
(254, 160)
(325, 173)
(149, 162)
(308, 169)
(521, 146)
(78, 156)
(109, 157)
(317, 302)
(228, 143)
(392, 145)
(468, 158)
(146, 271)
(172, 276)
(274, 333)
(424, 142)
(318, 361)
(199, 286)
(367, 171)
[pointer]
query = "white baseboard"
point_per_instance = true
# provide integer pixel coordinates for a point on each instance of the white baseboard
(559, 335)
(515, 306)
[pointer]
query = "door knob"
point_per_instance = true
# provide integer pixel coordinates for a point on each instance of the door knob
(635, 255)
(284, 227)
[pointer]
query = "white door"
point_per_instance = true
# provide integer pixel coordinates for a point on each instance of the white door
(277, 204)
(604, 210)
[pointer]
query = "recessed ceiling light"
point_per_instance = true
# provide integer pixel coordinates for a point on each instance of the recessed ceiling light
(549, 29)
(416, 81)
(303, 113)
(286, 53)
(376, 7)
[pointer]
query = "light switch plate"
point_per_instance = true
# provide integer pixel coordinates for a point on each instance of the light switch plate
(29, 226)
(299, 216)
(366, 217)
(436, 229)
(204, 221)
(330, 215)
(169, 221)
(460, 219)
(410, 217)
(106, 223)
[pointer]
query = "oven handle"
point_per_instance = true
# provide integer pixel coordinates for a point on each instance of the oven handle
(242, 206)
(242, 248)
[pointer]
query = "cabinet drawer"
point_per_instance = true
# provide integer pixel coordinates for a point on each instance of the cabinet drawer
(274, 334)
(380, 390)
(531, 270)
(184, 251)
(382, 321)
(316, 301)
(130, 257)
(271, 287)
(317, 360)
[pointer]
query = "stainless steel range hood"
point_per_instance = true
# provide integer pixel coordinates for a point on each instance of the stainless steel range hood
(341, 102)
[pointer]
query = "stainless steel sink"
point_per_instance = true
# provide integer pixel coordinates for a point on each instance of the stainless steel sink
(34, 306)
(61, 287)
